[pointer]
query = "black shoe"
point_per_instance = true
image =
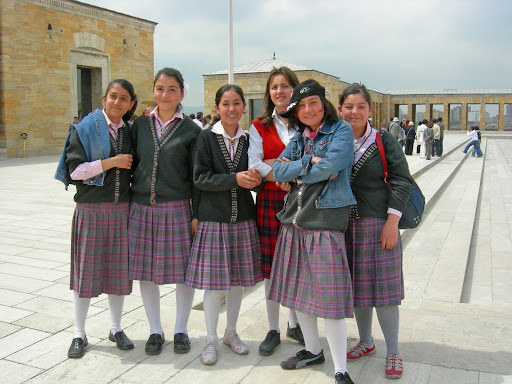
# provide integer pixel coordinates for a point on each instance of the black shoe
(122, 341)
(268, 345)
(341, 378)
(77, 347)
(295, 334)
(181, 343)
(154, 344)
(302, 359)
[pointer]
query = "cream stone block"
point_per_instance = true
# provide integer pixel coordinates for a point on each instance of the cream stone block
(6, 329)
(20, 340)
(22, 284)
(11, 298)
(14, 373)
(452, 376)
(45, 322)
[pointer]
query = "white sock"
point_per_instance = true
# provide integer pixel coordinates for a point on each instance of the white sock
(211, 307)
(292, 318)
(80, 309)
(272, 310)
(233, 304)
(150, 293)
(184, 300)
(115, 304)
(309, 328)
(336, 333)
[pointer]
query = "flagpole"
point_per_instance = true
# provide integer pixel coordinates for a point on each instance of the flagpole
(230, 48)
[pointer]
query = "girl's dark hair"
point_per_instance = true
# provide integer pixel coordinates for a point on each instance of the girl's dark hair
(330, 115)
(129, 88)
(171, 72)
(355, 89)
(222, 90)
(268, 105)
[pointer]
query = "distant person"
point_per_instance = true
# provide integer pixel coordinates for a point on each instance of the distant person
(192, 116)
(207, 121)
(389, 123)
(97, 159)
(437, 136)
(370, 121)
(441, 136)
(428, 138)
(474, 133)
(75, 121)
(199, 119)
(396, 130)
(420, 149)
(410, 134)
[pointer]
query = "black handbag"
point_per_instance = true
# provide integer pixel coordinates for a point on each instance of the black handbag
(411, 216)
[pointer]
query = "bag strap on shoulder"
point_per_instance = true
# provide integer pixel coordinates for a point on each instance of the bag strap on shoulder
(380, 147)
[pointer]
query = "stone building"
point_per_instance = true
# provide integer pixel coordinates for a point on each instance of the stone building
(489, 109)
(57, 58)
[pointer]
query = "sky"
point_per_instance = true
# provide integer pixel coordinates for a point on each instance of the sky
(414, 44)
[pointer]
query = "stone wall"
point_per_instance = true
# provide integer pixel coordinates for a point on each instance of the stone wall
(38, 78)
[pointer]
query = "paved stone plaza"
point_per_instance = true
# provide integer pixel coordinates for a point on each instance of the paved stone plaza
(456, 320)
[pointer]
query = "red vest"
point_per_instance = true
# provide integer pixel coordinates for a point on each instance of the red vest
(272, 144)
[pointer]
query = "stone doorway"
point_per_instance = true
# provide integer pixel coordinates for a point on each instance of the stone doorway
(89, 90)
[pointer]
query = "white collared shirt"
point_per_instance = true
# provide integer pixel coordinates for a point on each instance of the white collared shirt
(231, 142)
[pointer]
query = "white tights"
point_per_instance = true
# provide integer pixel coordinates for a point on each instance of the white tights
(150, 293)
(211, 304)
(81, 307)
(336, 334)
(273, 312)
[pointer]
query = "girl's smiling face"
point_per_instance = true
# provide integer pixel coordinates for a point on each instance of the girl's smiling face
(167, 94)
(310, 111)
(356, 111)
(117, 102)
(280, 92)
(231, 108)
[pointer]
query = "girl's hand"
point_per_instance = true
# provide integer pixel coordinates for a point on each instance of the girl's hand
(284, 186)
(122, 160)
(315, 159)
(193, 227)
(283, 160)
(389, 234)
(248, 179)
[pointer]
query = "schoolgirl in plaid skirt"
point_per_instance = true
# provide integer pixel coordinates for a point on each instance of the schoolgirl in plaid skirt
(310, 272)
(225, 253)
(373, 240)
(97, 159)
(268, 136)
(163, 211)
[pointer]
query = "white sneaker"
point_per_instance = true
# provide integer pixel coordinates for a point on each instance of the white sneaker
(209, 354)
(232, 339)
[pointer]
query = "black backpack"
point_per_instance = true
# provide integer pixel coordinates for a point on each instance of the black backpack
(479, 134)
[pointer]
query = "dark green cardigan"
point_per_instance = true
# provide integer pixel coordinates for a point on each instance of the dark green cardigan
(172, 167)
(373, 196)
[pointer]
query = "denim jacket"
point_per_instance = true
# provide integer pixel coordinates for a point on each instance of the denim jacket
(334, 143)
(94, 135)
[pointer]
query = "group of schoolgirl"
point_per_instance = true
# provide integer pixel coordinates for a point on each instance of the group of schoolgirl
(163, 202)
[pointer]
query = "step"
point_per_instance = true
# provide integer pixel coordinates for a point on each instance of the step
(434, 264)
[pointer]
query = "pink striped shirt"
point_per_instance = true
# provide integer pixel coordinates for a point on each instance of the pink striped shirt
(92, 168)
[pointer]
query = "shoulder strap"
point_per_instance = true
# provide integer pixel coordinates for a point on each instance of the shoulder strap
(380, 147)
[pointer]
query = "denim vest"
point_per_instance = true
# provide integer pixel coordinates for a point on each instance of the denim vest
(93, 133)
(334, 143)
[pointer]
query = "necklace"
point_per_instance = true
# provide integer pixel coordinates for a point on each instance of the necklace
(357, 145)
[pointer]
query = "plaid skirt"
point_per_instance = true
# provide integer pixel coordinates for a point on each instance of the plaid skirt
(159, 241)
(99, 250)
(268, 204)
(224, 255)
(310, 273)
(376, 273)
